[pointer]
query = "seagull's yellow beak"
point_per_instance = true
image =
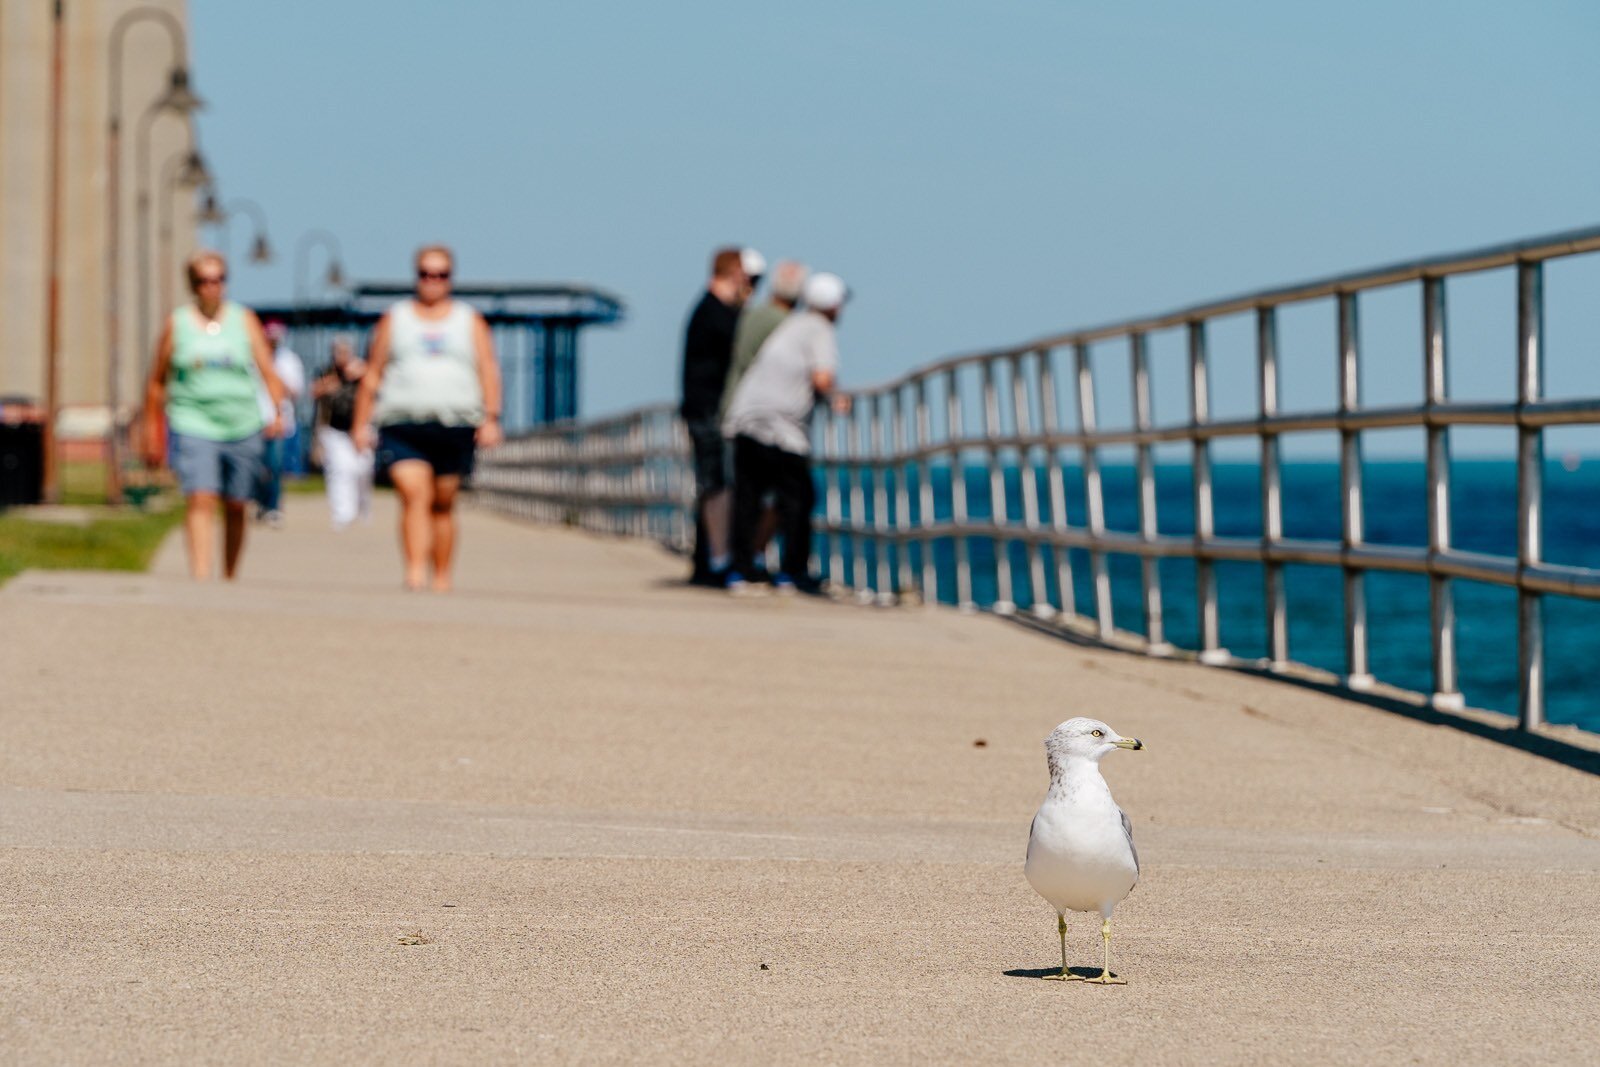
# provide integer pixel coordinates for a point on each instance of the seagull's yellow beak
(1132, 744)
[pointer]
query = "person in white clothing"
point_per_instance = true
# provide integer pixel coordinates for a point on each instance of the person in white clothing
(346, 469)
(282, 452)
(769, 421)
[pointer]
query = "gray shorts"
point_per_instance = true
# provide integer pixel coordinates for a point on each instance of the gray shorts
(229, 469)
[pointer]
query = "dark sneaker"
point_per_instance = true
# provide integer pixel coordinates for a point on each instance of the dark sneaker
(708, 579)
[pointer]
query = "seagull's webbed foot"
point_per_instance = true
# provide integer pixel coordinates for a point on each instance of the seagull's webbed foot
(1106, 977)
(1065, 975)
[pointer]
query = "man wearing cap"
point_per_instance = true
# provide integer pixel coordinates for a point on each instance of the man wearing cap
(768, 421)
(756, 323)
(755, 268)
(707, 351)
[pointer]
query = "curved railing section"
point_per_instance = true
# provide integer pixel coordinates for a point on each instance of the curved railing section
(626, 474)
(979, 480)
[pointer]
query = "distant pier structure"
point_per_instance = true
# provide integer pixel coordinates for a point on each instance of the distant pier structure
(536, 329)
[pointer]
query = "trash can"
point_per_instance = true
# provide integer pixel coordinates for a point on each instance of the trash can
(21, 452)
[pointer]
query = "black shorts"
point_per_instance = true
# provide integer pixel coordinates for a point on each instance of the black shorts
(447, 449)
(710, 455)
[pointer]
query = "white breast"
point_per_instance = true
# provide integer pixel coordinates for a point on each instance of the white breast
(1079, 855)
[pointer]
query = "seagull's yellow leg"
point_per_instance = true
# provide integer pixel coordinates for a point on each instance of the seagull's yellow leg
(1065, 975)
(1106, 977)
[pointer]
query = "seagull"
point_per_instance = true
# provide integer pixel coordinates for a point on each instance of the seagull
(1080, 847)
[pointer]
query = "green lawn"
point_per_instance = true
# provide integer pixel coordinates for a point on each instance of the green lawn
(123, 541)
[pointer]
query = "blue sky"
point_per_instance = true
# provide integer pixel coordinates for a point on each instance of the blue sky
(980, 174)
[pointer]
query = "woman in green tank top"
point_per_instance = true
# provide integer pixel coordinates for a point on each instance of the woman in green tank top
(203, 384)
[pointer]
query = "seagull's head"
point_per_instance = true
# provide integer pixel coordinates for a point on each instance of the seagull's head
(1088, 739)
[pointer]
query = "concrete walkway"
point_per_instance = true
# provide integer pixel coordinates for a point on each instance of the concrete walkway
(578, 812)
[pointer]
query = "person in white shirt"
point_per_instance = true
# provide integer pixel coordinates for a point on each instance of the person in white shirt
(280, 451)
(429, 400)
(768, 419)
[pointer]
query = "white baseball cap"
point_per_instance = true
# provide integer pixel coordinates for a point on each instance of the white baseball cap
(825, 292)
(754, 263)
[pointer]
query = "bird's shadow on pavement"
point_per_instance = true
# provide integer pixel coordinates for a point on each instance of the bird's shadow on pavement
(1052, 972)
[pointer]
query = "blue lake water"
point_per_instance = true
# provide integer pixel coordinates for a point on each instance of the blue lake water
(1483, 519)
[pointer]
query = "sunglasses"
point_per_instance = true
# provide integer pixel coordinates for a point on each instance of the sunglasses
(433, 275)
(211, 279)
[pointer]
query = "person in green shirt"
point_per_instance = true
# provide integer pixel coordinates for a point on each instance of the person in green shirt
(756, 324)
(209, 361)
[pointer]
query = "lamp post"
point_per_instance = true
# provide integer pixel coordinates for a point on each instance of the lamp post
(146, 264)
(51, 480)
(178, 98)
(334, 279)
(185, 170)
(220, 215)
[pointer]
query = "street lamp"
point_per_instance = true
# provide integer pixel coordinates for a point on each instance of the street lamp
(185, 170)
(146, 338)
(334, 279)
(211, 213)
(220, 215)
(146, 263)
(180, 99)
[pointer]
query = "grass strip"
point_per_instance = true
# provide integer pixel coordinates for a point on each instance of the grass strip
(117, 542)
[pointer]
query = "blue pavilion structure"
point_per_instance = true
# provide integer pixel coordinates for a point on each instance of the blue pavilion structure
(535, 326)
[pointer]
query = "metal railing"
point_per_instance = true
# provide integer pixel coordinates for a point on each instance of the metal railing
(628, 474)
(895, 475)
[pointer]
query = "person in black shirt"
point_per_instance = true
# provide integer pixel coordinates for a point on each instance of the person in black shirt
(346, 469)
(707, 351)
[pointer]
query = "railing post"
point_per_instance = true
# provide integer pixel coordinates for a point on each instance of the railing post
(1205, 574)
(902, 496)
(1446, 690)
(1093, 492)
(880, 500)
(1358, 675)
(833, 478)
(999, 513)
(1149, 565)
(1268, 393)
(958, 492)
(858, 507)
(1051, 422)
(1530, 494)
(1022, 406)
(925, 508)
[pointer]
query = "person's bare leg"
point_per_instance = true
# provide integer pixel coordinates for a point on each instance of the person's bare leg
(199, 532)
(445, 488)
(413, 481)
(233, 526)
(717, 510)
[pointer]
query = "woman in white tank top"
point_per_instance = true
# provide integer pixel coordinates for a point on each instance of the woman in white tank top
(432, 389)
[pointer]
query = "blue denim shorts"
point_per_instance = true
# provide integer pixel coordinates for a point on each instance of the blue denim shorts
(229, 469)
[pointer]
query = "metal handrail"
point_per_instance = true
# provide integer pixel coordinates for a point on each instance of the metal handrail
(630, 473)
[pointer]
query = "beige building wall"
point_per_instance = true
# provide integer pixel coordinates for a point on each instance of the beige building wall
(85, 349)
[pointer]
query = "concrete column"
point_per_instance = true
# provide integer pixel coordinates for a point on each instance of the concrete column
(24, 147)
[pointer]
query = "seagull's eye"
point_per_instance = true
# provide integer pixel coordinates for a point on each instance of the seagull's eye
(1097, 733)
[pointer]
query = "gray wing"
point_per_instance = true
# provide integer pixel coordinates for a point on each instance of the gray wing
(1127, 831)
